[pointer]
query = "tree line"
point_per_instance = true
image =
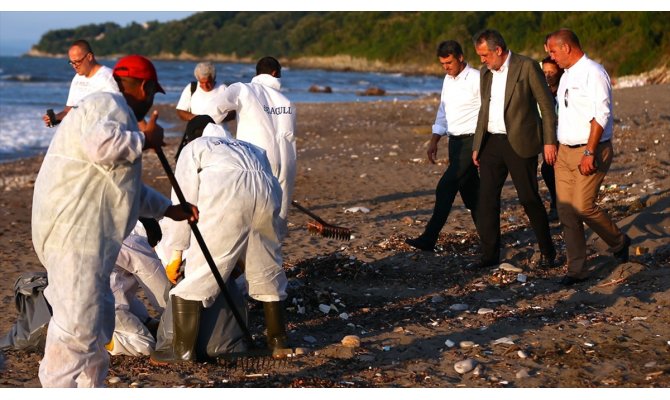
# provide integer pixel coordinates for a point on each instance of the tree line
(625, 42)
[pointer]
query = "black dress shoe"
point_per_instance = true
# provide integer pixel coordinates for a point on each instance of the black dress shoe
(622, 255)
(569, 280)
(421, 245)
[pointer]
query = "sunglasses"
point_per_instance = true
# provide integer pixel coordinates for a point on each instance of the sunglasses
(78, 62)
(565, 98)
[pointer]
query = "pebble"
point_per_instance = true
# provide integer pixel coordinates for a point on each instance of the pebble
(466, 344)
(650, 364)
(509, 268)
(449, 343)
(503, 340)
(344, 316)
(351, 341)
(309, 339)
(459, 307)
(465, 366)
(482, 311)
(522, 373)
(521, 278)
(114, 380)
(522, 354)
(437, 299)
(325, 308)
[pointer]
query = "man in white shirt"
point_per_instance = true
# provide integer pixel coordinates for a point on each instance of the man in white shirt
(198, 100)
(266, 118)
(90, 77)
(584, 132)
(457, 119)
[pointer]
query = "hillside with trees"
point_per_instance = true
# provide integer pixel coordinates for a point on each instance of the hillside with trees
(625, 42)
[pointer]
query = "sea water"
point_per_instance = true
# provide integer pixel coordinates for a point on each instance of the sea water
(29, 86)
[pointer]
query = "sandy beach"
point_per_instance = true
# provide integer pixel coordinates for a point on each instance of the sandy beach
(363, 166)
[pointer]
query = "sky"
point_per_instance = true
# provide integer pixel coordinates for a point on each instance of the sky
(19, 30)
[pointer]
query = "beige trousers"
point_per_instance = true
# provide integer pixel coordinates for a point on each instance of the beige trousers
(576, 203)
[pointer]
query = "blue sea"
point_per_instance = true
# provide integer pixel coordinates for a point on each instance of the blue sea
(29, 86)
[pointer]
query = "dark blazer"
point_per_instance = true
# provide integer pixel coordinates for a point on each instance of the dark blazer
(526, 89)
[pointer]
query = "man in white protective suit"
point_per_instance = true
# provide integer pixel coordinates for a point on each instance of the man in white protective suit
(266, 118)
(137, 265)
(238, 201)
(88, 196)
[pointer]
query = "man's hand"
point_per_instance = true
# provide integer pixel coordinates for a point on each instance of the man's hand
(173, 269)
(587, 166)
(475, 160)
(550, 151)
(153, 133)
(177, 213)
(432, 148)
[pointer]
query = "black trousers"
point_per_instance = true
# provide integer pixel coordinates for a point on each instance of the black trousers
(460, 177)
(496, 160)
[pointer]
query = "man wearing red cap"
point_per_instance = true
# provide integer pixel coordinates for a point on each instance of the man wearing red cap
(88, 196)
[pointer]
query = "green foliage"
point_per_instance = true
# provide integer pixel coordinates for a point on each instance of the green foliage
(625, 42)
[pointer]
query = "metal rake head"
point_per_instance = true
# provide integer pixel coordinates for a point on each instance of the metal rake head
(329, 231)
(255, 361)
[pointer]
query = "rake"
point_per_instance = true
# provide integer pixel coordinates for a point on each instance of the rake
(320, 227)
(255, 357)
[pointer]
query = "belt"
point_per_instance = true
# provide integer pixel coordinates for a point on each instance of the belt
(461, 136)
(576, 146)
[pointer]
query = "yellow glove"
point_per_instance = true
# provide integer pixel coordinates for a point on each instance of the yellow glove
(173, 270)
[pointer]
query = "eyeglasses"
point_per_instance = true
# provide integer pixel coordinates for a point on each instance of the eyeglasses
(565, 98)
(78, 62)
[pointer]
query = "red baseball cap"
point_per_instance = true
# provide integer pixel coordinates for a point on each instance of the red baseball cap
(136, 66)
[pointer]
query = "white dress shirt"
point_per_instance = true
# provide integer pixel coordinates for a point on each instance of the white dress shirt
(584, 94)
(459, 104)
(496, 123)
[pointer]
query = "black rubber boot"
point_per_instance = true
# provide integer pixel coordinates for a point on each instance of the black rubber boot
(275, 322)
(186, 323)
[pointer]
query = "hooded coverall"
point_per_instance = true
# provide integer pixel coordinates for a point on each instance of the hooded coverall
(137, 265)
(239, 200)
(87, 198)
(266, 118)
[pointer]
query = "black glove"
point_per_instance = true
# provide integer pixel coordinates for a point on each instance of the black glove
(154, 233)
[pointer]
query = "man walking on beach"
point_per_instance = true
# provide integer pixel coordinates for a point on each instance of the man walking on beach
(90, 77)
(509, 136)
(457, 119)
(266, 118)
(585, 136)
(88, 196)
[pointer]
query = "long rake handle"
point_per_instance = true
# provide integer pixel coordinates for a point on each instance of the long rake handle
(203, 246)
(306, 211)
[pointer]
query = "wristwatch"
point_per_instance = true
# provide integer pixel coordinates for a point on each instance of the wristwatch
(587, 153)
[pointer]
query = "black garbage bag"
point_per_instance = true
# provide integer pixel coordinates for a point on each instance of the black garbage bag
(29, 332)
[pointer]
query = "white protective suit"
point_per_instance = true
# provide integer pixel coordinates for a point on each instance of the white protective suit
(266, 118)
(239, 200)
(137, 265)
(87, 198)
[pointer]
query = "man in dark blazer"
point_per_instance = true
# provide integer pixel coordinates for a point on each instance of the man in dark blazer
(509, 136)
